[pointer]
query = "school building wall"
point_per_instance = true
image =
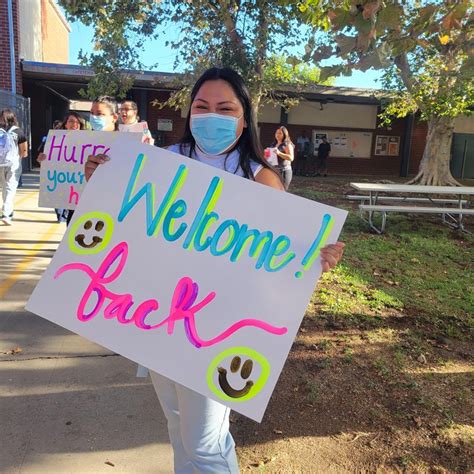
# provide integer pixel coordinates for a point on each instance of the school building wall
(333, 116)
(464, 124)
(5, 69)
(308, 116)
(343, 110)
(31, 43)
(154, 113)
(55, 33)
(44, 32)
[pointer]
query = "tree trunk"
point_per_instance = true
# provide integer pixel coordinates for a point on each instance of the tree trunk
(434, 167)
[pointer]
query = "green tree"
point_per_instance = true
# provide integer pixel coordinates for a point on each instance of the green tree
(426, 49)
(250, 36)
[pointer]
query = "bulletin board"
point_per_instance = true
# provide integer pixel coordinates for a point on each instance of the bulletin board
(387, 146)
(346, 144)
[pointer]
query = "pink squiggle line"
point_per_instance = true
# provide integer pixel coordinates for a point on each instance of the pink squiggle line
(184, 297)
(193, 336)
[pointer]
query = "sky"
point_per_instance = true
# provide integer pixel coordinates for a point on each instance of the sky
(81, 37)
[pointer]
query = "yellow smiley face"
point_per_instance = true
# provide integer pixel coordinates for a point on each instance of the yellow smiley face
(238, 374)
(91, 233)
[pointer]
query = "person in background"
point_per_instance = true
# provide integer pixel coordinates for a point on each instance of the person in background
(324, 149)
(103, 118)
(13, 148)
(129, 116)
(56, 125)
(220, 131)
(72, 121)
(284, 149)
(303, 145)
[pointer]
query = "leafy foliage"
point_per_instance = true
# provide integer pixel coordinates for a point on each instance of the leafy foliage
(425, 47)
(249, 36)
(121, 28)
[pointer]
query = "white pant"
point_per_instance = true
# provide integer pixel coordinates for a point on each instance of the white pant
(198, 428)
(9, 177)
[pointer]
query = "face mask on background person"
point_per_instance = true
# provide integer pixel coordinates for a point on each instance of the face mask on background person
(214, 133)
(98, 123)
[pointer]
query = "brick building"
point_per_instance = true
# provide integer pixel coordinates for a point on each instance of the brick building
(32, 30)
(10, 72)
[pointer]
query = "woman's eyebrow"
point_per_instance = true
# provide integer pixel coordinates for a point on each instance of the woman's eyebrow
(218, 103)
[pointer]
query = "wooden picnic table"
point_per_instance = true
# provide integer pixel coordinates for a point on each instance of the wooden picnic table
(385, 198)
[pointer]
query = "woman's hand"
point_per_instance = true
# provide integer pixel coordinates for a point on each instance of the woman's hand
(287, 154)
(331, 255)
(41, 157)
(148, 139)
(93, 161)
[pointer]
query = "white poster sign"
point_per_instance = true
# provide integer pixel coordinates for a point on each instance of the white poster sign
(62, 173)
(139, 127)
(196, 273)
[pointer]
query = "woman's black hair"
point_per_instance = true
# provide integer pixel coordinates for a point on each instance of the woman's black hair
(8, 119)
(111, 103)
(286, 136)
(71, 113)
(248, 144)
(133, 103)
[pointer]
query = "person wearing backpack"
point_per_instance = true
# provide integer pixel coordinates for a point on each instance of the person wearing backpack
(13, 147)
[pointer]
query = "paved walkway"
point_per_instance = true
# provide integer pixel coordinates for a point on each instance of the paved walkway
(67, 405)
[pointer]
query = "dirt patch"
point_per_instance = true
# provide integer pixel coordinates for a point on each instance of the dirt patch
(383, 391)
(345, 402)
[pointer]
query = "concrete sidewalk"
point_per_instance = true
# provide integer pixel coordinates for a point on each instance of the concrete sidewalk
(67, 405)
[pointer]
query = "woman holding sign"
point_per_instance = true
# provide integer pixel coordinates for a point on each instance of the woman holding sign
(72, 121)
(103, 117)
(130, 121)
(284, 150)
(221, 131)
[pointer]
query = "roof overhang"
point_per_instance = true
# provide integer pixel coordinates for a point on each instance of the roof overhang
(64, 75)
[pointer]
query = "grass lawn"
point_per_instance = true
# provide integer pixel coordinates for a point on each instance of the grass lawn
(380, 376)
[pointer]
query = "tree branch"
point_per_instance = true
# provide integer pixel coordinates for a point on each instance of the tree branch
(230, 25)
(401, 61)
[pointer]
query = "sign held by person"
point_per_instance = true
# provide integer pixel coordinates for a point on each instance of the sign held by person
(62, 172)
(190, 271)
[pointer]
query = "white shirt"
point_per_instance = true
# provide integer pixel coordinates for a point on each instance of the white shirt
(302, 140)
(227, 162)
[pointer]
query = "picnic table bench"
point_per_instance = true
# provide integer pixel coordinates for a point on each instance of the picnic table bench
(381, 199)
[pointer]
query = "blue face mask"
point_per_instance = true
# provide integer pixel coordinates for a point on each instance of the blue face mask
(214, 133)
(98, 123)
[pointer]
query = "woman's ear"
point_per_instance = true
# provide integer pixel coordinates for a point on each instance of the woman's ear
(115, 117)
